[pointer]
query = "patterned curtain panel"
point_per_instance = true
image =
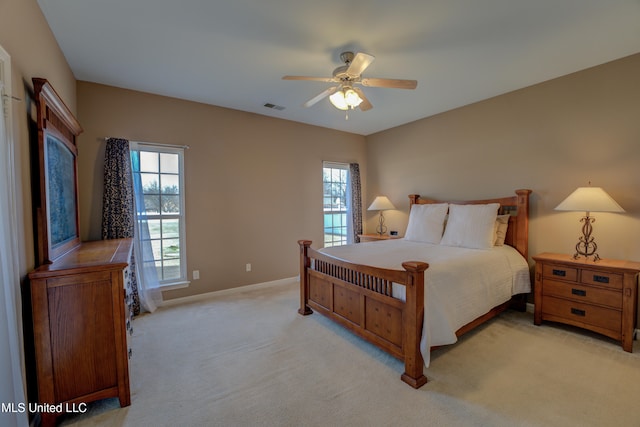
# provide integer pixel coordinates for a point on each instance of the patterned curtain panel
(356, 201)
(117, 199)
(117, 202)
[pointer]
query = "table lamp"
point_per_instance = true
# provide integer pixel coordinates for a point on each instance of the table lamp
(588, 199)
(381, 203)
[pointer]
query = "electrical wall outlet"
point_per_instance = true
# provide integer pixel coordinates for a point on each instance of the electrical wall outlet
(248, 267)
(196, 274)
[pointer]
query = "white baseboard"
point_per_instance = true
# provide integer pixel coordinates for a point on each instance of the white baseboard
(199, 297)
(530, 307)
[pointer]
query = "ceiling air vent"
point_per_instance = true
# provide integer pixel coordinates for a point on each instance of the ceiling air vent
(274, 106)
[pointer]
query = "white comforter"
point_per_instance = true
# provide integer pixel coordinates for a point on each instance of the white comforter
(460, 284)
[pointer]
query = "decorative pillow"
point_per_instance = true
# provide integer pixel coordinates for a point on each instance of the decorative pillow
(502, 223)
(426, 223)
(471, 226)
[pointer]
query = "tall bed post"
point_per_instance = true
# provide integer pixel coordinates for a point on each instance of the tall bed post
(413, 318)
(304, 277)
(522, 231)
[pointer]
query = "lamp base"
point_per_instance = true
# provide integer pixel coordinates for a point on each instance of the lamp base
(586, 245)
(381, 229)
(595, 257)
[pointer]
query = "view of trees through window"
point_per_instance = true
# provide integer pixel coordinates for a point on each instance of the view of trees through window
(334, 181)
(161, 188)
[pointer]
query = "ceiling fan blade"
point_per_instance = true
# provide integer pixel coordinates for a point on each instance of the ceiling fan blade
(360, 63)
(317, 79)
(320, 96)
(365, 104)
(391, 83)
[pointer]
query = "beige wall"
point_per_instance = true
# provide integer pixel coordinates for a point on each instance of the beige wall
(551, 138)
(253, 183)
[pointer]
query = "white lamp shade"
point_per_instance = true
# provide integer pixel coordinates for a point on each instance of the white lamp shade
(589, 199)
(381, 203)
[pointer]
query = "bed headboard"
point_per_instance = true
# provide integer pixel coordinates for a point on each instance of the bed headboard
(517, 206)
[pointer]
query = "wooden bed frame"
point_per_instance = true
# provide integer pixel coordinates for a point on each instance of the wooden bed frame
(359, 296)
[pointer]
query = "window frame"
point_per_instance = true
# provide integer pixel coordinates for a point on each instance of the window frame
(183, 280)
(347, 202)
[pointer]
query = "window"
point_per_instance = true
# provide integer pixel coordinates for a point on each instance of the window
(159, 172)
(335, 184)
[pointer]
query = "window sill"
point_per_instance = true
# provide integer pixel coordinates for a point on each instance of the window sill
(173, 285)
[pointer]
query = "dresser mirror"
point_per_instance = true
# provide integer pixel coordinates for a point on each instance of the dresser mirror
(56, 202)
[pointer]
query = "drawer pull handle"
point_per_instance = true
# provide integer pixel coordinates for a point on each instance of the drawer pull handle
(561, 273)
(600, 279)
(578, 312)
(579, 292)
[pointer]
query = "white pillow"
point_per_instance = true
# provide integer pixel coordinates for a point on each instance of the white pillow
(426, 223)
(502, 224)
(471, 226)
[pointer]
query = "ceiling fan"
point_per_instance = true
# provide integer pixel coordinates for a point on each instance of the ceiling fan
(347, 95)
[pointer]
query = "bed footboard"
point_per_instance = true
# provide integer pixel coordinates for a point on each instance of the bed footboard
(360, 298)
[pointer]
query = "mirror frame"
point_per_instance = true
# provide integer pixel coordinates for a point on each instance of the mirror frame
(56, 204)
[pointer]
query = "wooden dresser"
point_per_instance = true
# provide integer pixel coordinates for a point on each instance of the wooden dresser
(600, 296)
(82, 326)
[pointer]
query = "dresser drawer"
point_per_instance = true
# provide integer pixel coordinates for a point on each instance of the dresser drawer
(581, 293)
(560, 272)
(601, 278)
(580, 313)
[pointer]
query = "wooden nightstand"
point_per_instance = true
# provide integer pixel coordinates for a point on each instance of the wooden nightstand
(373, 237)
(600, 296)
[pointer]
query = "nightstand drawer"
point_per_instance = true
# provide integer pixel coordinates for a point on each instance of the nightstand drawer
(579, 313)
(560, 272)
(581, 293)
(601, 278)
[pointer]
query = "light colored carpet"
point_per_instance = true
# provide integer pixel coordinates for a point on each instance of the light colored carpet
(248, 359)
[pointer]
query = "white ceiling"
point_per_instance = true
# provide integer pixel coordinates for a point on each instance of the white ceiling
(233, 53)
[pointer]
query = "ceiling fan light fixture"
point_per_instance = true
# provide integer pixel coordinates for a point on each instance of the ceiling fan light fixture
(338, 100)
(345, 99)
(352, 98)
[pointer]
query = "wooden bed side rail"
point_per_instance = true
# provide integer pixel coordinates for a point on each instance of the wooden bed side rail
(366, 280)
